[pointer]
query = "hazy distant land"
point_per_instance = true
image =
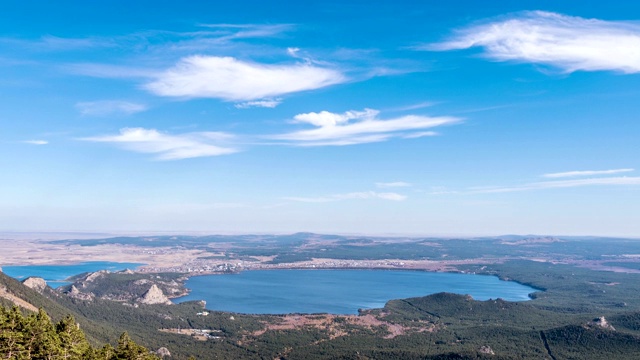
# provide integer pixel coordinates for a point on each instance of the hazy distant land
(208, 254)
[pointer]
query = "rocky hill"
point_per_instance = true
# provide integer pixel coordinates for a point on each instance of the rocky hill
(36, 283)
(126, 287)
(154, 296)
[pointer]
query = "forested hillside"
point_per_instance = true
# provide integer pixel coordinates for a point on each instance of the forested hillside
(35, 336)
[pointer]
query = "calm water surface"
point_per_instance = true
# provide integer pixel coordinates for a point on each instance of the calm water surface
(56, 274)
(337, 291)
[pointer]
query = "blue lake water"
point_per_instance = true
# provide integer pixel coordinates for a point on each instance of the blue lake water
(55, 275)
(337, 291)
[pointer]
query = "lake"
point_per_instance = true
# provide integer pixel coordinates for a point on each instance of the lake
(55, 275)
(337, 291)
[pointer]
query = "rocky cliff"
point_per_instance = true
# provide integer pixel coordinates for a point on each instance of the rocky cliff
(36, 283)
(154, 296)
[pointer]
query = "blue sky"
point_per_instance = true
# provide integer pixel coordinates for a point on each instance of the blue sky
(376, 117)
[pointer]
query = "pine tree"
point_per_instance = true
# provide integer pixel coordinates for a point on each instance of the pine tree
(41, 340)
(35, 337)
(73, 343)
(107, 352)
(127, 349)
(11, 336)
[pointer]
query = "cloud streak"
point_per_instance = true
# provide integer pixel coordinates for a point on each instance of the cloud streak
(267, 103)
(108, 71)
(230, 79)
(204, 38)
(607, 181)
(565, 42)
(246, 31)
(109, 107)
(332, 129)
(364, 195)
(586, 173)
(166, 146)
(394, 184)
(359, 127)
(35, 142)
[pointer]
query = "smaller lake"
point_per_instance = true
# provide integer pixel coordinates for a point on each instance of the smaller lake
(55, 275)
(337, 291)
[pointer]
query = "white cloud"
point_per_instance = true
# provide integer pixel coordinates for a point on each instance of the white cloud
(586, 173)
(610, 181)
(358, 127)
(293, 51)
(364, 195)
(417, 106)
(417, 135)
(226, 32)
(267, 103)
(566, 42)
(231, 79)
(36, 142)
(169, 147)
(325, 118)
(156, 40)
(392, 184)
(109, 107)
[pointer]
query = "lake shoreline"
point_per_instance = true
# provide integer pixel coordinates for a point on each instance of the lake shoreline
(140, 268)
(366, 282)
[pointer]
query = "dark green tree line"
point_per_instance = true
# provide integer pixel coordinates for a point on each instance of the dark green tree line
(34, 336)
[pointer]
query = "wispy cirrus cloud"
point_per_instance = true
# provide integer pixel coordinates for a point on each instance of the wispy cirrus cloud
(359, 127)
(230, 79)
(110, 71)
(226, 32)
(165, 63)
(606, 181)
(167, 146)
(56, 43)
(35, 142)
(566, 42)
(416, 135)
(109, 107)
(394, 184)
(420, 105)
(267, 103)
(331, 129)
(586, 173)
(364, 195)
(156, 41)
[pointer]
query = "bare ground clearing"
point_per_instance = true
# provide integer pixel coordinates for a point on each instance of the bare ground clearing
(336, 325)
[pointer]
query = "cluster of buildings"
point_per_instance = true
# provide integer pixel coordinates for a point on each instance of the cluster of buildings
(204, 266)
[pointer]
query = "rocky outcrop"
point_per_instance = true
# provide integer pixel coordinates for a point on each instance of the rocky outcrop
(154, 296)
(36, 283)
(93, 276)
(486, 350)
(163, 352)
(77, 294)
(601, 322)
